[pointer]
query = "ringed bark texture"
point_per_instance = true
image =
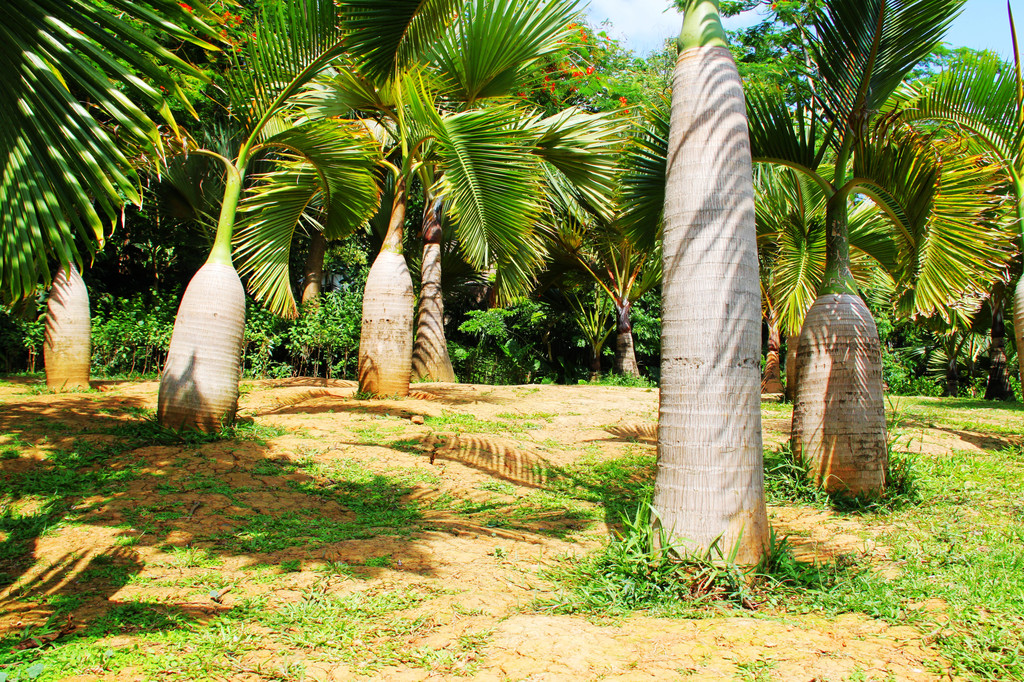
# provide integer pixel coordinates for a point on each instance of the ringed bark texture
(1018, 324)
(839, 415)
(199, 383)
(998, 387)
(430, 358)
(625, 354)
(772, 380)
(67, 349)
(385, 339)
(313, 277)
(792, 343)
(625, 351)
(710, 482)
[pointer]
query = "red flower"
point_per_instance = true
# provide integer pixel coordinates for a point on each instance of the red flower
(590, 70)
(185, 7)
(622, 101)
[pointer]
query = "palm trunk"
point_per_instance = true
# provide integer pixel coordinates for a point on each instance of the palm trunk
(625, 353)
(839, 412)
(772, 380)
(792, 343)
(199, 382)
(430, 359)
(595, 362)
(998, 387)
(313, 276)
(67, 349)
(385, 339)
(710, 479)
(952, 372)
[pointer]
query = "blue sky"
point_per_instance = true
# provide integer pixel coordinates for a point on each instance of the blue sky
(644, 24)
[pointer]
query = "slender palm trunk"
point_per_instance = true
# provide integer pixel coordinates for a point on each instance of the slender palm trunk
(625, 353)
(385, 339)
(771, 382)
(839, 412)
(199, 382)
(67, 349)
(998, 387)
(952, 370)
(430, 360)
(313, 274)
(792, 343)
(710, 479)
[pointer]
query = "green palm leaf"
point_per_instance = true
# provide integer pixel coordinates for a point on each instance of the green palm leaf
(643, 178)
(491, 178)
(62, 168)
(939, 200)
(981, 97)
(293, 42)
(386, 37)
(864, 48)
(484, 52)
(325, 182)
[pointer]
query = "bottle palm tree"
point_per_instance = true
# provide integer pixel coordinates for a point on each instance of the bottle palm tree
(861, 50)
(63, 167)
(446, 119)
(710, 480)
(293, 43)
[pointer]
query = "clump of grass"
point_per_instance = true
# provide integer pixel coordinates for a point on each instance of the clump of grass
(643, 569)
(788, 479)
(148, 431)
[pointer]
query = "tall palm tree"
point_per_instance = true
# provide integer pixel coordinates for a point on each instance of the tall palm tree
(710, 480)
(306, 158)
(984, 97)
(861, 50)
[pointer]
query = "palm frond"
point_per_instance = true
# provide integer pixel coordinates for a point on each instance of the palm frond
(980, 96)
(484, 52)
(61, 167)
(490, 182)
(864, 48)
(385, 37)
(941, 202)
(325, 181)
(643, 180)
(293, 42)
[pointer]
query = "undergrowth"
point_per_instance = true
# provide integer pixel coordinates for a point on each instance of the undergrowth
(642, 569)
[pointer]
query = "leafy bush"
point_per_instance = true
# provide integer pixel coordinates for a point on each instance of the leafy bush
(21, 338)
(131, 336)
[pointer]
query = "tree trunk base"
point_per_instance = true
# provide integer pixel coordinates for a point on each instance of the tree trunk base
(199, 383)
(385, 339)
(67, 350)
(430, 359)
(839, 415)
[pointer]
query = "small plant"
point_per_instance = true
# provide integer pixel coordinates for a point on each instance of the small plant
(291, 566)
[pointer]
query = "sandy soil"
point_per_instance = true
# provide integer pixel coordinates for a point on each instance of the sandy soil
(483, 578)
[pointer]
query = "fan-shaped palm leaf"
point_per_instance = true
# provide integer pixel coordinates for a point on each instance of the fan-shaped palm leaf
(485, 52)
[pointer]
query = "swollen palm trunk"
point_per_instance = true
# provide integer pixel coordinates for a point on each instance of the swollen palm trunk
(385, 339)
(67, 349)
(1018, 325)
(839, 415)
(199, 383)
(430, 358)
(710, 480)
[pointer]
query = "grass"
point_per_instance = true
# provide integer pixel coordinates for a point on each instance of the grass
(952, 526)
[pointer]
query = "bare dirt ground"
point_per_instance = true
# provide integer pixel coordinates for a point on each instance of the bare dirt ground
(461, 463)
